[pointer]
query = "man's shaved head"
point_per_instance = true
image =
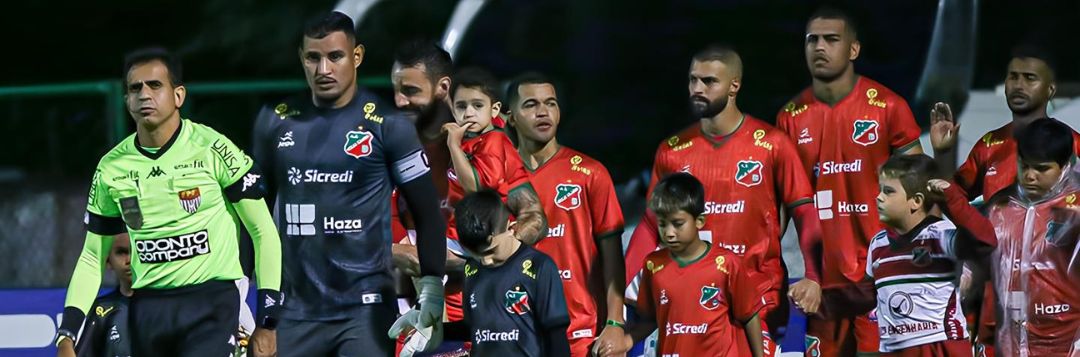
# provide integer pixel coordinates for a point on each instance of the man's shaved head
(724, 54)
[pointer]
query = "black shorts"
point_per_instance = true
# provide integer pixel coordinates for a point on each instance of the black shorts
(362, 335)
(198, 320)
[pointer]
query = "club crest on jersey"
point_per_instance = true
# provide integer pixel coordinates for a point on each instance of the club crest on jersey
(568, 196)
(358, 143)
(710, 297)
(865, 133)
(748, 173)
(1054, 232)
(517, 301)
(813, 346)
(920, 257)
(129, 210)
(190, 200)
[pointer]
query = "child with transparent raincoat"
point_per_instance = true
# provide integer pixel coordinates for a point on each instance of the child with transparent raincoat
(1035, 266)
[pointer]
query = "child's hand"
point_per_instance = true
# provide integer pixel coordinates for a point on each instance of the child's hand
(616, 347)
(937, 185)
(455, 133)
(806, 294)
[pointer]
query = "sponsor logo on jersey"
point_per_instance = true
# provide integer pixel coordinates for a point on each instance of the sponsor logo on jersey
(155, 172)
(1042, 309)
(481, 336)
(114, 334)
(369, 113)
(129, 210)
(296, 176)
(673, 143)
(566, 274)
(653, 268)
(1070, 201)
(900, 304)
(472, 299)
(526, 268)
(991, 171)
(227, 157)
(686, 169)
(358, 143)
(333, 225)
(795, 110)
(720, 264)
(299, 219)
(470, 270)
(101, 311)
(283, 112)
(680, 328)
(989, 141)
(823, 200)
(847, 208)
(813, 346)
(710, 297)
(909, 328)
(738, 249)
(758, 135)
(194, 164)
(723, 208)
(582, 333)
(749, 172)
(575, 161)
(517, 301)
(920, 257)
(167, 249)
(871, 98)
(286, 140)
(190, 200)
(558, 231)
(92, 196)
(833, 167)
(250, 180)
(568, 196)
(663, 297)
(865, 132)
(804, 137)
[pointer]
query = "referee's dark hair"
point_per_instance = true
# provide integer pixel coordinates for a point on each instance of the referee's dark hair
(480, 216)
(155, 53)
(328, 23)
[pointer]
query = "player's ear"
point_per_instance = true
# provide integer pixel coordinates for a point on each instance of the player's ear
(1053, 90)
(736, 83)
(358, 55)
(442, 87)
(179, 93)
(699, 222)
(855, 48)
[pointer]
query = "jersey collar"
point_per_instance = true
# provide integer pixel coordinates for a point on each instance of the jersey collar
(899, 241)
(163, 149)
(683, 264)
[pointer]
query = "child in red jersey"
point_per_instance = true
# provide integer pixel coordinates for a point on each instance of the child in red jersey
(699, 296)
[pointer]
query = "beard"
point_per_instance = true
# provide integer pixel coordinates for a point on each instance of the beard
(701, 107)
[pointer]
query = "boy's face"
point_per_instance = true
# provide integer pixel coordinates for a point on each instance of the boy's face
(679, 229)
(893, 203)
(497, 250)
(1037, 178)
(472, 106)
(120, 258)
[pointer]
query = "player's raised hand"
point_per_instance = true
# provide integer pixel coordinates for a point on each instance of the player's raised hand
(943, 127)
(937, 186)
(455, 133)
(806, 295)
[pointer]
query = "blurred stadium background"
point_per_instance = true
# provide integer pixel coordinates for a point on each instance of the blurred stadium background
(622, 67)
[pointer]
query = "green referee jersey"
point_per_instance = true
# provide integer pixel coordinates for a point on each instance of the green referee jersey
(172, 203)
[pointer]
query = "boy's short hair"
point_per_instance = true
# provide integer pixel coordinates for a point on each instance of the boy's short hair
(479, 216)
(678, 192)
(475, 78)
(1045, 140)
(914, 172)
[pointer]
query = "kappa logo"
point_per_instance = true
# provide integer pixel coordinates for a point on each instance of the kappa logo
(710, 297)
(517, 301)
(749, 173)
(865, 132)
(155, 172)
(250, 179)
(358, 143)
(190, 200)
(568, 196)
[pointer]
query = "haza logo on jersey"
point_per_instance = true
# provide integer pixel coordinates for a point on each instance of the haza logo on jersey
(568, 196)
(710, 297)
(748, 173)
(517, 301)
(865, 133)
(358, 143)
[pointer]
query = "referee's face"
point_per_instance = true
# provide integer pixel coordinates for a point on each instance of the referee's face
(151, 96)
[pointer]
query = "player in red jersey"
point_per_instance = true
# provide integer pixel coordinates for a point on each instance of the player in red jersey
(583, 214)
(750, 171)
(991, 165)
(702, 298)
(845, 126)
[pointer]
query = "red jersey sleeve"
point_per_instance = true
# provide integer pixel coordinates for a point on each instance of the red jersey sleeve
(498, 165)
(513, 167)
(744, 290)
(645, 305)
(903, 131)
(607, 217)
(968, 177)
(792, 183)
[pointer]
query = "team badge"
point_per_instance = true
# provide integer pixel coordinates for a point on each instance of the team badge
(517, 301)
(129, 209)
(920, 257)
(358, 143)
(748, 173)
(190, 200)
(813, 346)
(710, 297)
(865, 133)
(1054, 232)
(568, 196)
(900, 304)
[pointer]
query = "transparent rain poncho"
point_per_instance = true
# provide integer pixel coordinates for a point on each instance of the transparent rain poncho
(1036, 270)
